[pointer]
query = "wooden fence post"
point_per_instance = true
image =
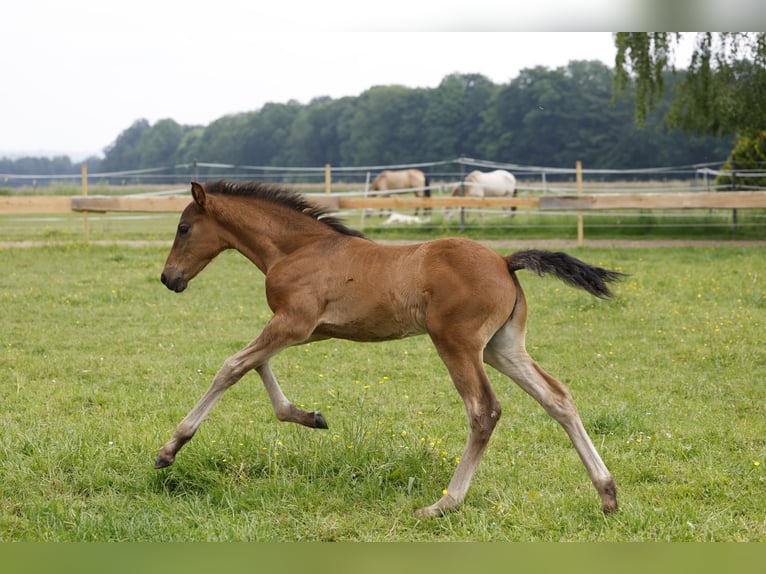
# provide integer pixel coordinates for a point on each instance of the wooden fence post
(366, 195)
(85, 223)
(462, 194)
(733, 188)
(327, 178)
(580, 230)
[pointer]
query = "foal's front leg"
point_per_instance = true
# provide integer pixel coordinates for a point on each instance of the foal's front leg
(226, 376)
(284, 410)
(278, 334)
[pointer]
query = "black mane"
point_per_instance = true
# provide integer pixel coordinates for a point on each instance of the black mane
(281, 196)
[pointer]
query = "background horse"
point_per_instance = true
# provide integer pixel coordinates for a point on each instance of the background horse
(403, 179)
(325, 280)
(498, 183)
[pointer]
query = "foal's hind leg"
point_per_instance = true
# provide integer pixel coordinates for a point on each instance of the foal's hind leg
(483, 411)
(506, 353)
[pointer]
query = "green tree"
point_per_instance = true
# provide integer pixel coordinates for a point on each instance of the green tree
(453, 115)
(189, 148)
(158, 144)
(218, 143)
(548, 117)
(29, 165)
(554, 117)
(125, 152)
(262, 135)
(749, 154)
(655, 143)
(316, 133)
(386, 127)
(722, 90)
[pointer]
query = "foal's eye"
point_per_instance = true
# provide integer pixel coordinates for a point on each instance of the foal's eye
(183, 229)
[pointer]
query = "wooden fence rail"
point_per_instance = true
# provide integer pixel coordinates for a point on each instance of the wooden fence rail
(172, 203)
(21, 205)
(700, 200)
(130, 203)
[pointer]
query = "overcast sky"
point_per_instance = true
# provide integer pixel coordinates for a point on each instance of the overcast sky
(75, 74)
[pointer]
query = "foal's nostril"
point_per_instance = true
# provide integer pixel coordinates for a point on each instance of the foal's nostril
(164, 279)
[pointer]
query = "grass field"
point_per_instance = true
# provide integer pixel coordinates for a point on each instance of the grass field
(99, 362)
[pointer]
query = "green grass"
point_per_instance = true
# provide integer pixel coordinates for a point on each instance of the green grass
(99, 362)
(102, 227)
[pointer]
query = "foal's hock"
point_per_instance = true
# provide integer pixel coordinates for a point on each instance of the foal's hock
(325, 280)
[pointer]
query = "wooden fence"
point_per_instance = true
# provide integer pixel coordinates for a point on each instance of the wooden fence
(578, 203)
(701, 200)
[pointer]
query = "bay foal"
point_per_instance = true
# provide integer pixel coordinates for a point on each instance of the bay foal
(325, 280)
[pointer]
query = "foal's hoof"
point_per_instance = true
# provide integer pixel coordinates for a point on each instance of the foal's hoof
(610, 508)
(428, 512)
(609, 497)
(162, 462)
(319, 421)
(439, 508)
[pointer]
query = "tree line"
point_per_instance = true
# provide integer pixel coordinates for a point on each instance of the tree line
(542, 117)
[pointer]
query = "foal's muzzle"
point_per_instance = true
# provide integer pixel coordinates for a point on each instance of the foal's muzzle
(174, 281)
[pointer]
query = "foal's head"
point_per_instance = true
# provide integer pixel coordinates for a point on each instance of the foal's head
(196, 243)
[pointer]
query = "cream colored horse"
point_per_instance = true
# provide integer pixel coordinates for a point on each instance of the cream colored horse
(498, 183)
(413, 180)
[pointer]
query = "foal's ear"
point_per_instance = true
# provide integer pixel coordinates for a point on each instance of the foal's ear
(198, 193)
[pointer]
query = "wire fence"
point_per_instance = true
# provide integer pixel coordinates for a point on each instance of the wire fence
(546, 179)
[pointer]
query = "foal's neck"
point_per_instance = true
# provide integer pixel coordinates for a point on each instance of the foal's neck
(264, 232)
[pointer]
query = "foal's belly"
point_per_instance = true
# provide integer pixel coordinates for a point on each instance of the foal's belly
(368, 322)
(364, 334)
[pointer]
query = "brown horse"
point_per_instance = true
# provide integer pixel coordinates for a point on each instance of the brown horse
(325, 280)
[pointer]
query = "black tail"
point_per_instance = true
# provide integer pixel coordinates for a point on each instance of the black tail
(567, 268)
